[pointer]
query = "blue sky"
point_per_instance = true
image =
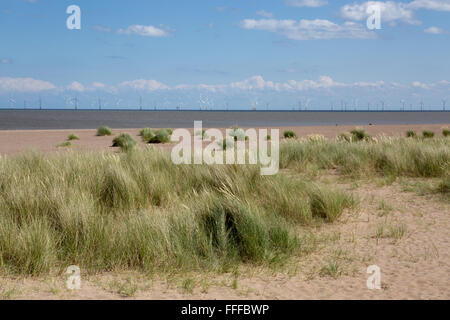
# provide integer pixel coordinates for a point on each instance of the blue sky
(213, 54)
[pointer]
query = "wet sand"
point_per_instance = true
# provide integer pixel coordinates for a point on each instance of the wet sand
(70, 119)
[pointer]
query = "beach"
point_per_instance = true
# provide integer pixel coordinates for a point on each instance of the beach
(17, 141)
(398, 222)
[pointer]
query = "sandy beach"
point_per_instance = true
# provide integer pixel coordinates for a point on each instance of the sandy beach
(17, 141)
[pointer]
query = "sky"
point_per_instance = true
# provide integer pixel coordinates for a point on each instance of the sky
(217, 54)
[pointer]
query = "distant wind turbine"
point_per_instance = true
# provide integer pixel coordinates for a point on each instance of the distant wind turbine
(12, 102)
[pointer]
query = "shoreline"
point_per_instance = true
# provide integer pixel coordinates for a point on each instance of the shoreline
(92, 119)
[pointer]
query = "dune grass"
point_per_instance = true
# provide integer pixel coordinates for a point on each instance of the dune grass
(124, 141)
(64, 144)
(161, 136)
(104, 131)
(446, 132)
(387, 156)
(289, 134)
(72, 137)
(138, 211)
(147, 134)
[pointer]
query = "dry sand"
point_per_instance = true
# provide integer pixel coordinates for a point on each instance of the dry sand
(17, 141)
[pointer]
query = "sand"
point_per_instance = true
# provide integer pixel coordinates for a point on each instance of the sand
(17, 141)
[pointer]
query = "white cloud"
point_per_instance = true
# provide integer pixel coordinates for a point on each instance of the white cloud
(437, 5)
(5, 61)
(390, 12)
(24, 85)
(417, 84)
(428, 86)
(264, 14)
(146, 85)
(98, 85)
(306, 3)
(434, 30)
(309, 29)
(76, 86)
(146, 31)
(324, 82)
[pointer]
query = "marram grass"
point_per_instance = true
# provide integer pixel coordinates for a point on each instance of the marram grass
(138, 211)
(397, 157)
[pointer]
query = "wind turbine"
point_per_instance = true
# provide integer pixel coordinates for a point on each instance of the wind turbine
(444, 101)
(12, 102)
(118, 101)
(403, 104)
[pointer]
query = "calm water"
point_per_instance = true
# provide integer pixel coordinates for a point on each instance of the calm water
(69, 119)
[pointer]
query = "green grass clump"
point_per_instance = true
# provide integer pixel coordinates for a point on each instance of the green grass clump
(147, 134)
(73, 137)
(124, 141)
(161, 136)
(446, 132)
(104, 131)
(139, 211)
(289, 134)
(359, 134)
(427, 134)
(64, 144)
(411, 134)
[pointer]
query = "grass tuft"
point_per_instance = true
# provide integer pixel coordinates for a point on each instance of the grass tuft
(147, 134)
(73, 137)
(161, 136)
(124, 141)
(64, 144)
(427, 134)
(359, 134)
(104, 131)
(289, 134)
